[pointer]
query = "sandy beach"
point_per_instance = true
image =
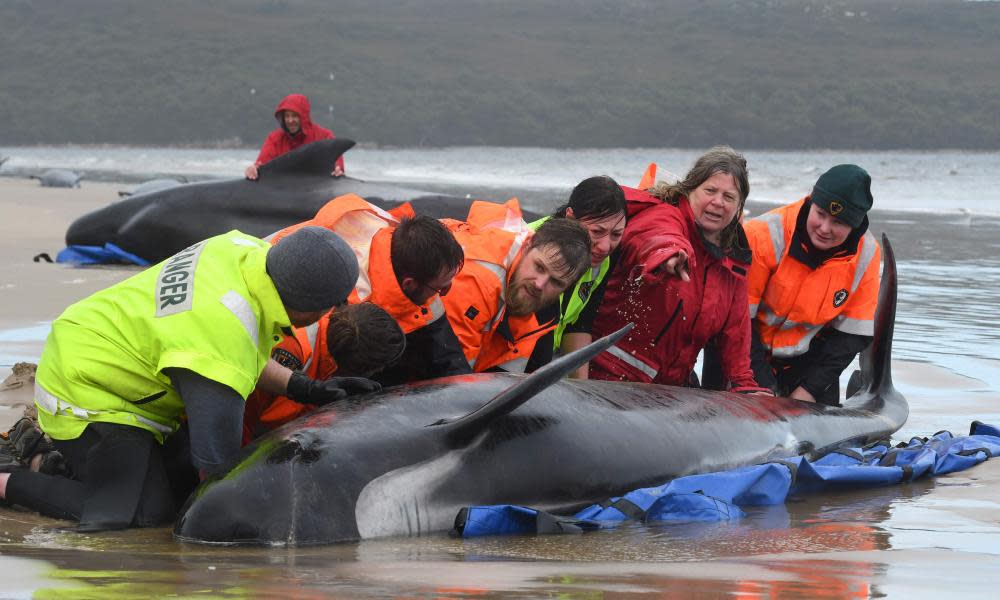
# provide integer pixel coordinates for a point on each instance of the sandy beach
(33, 220)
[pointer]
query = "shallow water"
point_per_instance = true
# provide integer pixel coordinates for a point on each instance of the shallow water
(926, 538)
(937, 182)
(845, 544)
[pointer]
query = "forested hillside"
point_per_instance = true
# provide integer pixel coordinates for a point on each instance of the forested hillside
(754, 74)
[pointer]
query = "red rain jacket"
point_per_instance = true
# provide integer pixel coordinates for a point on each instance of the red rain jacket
(674, 319)
(279, 141)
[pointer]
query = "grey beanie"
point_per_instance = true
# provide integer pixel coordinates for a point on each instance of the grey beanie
(313, 269)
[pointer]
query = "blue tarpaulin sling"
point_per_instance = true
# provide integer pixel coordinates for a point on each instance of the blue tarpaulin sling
(718, 496)
(98, 255)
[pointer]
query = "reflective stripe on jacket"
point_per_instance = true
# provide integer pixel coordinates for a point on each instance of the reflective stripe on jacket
(790, 302)
(210, 308)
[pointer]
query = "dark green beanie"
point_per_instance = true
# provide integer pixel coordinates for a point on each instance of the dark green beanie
(845, 191)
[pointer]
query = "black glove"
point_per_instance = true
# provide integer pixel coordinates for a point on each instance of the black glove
(307, 390)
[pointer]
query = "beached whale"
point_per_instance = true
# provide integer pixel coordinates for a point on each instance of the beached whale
(405, 461)
(290, 189)
(61, 178)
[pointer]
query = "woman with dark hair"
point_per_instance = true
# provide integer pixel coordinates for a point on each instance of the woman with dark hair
(354, 340)
(362, 340)
(598, 204)
(682, 278)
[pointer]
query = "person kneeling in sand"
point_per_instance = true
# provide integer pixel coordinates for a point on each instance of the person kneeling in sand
(190, 337)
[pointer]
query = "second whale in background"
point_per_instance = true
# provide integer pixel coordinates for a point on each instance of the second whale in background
(290, 189)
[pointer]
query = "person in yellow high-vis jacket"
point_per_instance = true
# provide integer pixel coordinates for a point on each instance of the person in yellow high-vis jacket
(185, 340)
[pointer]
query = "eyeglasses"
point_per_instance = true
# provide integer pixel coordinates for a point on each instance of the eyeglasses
(439, 291)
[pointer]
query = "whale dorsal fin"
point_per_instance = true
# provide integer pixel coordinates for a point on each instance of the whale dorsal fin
(876, 367)
(317, 158)
(464, 428)
(875, 377)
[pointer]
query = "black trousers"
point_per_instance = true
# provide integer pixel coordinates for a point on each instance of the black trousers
(122, 478)
(789, 375)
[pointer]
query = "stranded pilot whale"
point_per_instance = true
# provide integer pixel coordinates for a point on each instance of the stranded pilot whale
(60, 178)
(289, 190)
(404, 461)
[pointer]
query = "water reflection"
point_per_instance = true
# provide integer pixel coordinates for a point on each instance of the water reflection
(22, 343)
(828, 546)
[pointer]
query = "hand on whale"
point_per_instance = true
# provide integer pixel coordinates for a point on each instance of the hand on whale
(317, 392)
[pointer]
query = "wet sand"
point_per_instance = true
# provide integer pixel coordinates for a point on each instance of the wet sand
(33, 220)
(915, 540)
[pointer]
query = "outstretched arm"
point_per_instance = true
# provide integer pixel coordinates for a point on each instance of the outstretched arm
(655, 244)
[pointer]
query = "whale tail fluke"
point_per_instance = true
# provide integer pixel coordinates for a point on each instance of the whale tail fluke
(463, 429)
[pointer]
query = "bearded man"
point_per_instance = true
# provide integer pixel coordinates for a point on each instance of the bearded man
(506, 296)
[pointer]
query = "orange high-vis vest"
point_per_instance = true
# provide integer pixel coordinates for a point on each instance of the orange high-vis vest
(368, 231)
(493, 239)
(507, 216)
(648, 178)
(790, 302)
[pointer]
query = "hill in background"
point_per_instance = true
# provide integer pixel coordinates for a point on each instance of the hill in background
(753, 74)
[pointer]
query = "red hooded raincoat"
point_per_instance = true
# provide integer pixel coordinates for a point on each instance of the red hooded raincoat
(279, 141)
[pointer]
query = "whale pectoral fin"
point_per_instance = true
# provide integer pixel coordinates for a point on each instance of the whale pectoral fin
(463, 429)
(138, 217)
(316, 158)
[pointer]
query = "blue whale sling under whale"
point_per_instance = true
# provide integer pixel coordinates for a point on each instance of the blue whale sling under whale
(406, 460)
